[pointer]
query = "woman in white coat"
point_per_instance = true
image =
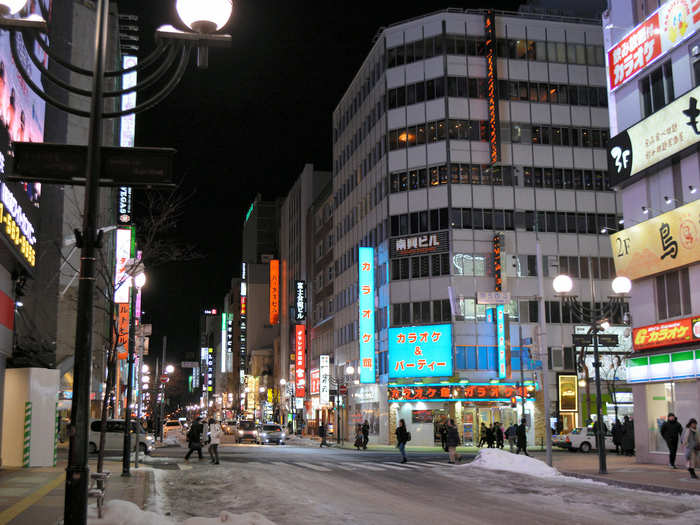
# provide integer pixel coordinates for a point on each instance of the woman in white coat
(214, 440)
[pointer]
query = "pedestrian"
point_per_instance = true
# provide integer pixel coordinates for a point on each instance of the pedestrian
(365, 434)
(511, 435)
(671, 431)
(442, 430)
(194, 439)
(617, 432)
(521, 437)
(403, 436)
(214, 440)
(452, 441)
(482, 435)
(322, 433)
(628, 437)
(358, 437)
(498, 430)
(490, 437)
(692, 446)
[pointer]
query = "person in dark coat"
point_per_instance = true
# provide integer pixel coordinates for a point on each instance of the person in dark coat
(452, 441)
(442, 430)
(194, 439)
(617, 433)
(402, 437)
(498, 430)
(322, 434)
(628, 437)
(482, 435)
(490, 437)
(365, 434)
(671, 431)
(521, 437)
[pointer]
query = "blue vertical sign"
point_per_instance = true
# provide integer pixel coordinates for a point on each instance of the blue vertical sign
(366, 306)
(501, 334)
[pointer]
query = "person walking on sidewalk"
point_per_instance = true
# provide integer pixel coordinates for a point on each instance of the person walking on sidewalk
(482, 435)
(511, 435)
(214, 440)
(498, 430)
(671, 431)
(628, 437)
(365, 434)
(322, 434)
(617, 433)
(194, 439)
(692, 446)
(403, 436)
(442, 430)
(452, 441)
(521, 437)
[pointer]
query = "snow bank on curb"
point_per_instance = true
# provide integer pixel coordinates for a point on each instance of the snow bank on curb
(118, 512)
(496, 459)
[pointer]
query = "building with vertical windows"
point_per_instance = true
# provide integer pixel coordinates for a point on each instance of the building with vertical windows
(464, 137)
(653, 55)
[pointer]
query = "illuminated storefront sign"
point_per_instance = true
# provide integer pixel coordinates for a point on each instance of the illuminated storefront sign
(124, 205)
(274, 291)
(420, 244)
(420, 351)
(211, 360)
(300, 362)
(123, 329)
(16, 227)
(501, 335)
(459, 392)
(665, 242)
(492, 84)
(568, 393)
(299, 300)
(325, 386)
(314, 381)
(680, 331)
(497, 262)
(668, 26)
(122, 283)
(493, 297)
(366, 307)
(664, 367)
(661, 135)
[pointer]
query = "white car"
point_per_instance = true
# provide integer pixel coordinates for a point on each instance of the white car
(582, 439)
(114, 436)
(172, 426)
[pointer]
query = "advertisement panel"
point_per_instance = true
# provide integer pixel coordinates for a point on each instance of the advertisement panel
(420, 351)
(314, 381)
(665, 242)
(123, 329)
(300, 362)
(440, 392)
(299, 300)
(325, 387)
(366, 313)
(492, 85)
(420, 244)
(274, 291)
(680, 331)
(659, 136)
(568, 393)
(501, 336)
(122, 283)
(667, 27)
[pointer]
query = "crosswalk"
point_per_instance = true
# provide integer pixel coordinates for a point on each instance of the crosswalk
(356, 466)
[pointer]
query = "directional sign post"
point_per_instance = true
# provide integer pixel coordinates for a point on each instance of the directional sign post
(608, 339)
(582, 339)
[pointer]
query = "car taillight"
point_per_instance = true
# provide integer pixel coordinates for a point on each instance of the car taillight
(567, 439)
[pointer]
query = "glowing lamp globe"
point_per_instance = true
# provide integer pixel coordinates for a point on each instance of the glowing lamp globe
(11, 6)
(204, 16)
(621, 285)
(140, 280)
(283, 381)
(562, 284)
(350, 370)
(170, 369)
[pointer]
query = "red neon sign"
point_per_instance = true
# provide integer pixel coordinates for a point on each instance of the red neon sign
(300, 351)
(491, 84)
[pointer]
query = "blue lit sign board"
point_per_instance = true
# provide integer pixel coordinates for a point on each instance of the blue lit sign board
(420, 351)
(366, 313)
(501, 334)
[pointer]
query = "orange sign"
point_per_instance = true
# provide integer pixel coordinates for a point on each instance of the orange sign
(274, 291)
(491, 85)
(123, 329)
(667, 334)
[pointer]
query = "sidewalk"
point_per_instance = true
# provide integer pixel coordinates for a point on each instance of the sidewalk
(35, 496)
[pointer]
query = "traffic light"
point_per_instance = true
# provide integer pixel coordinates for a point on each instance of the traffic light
(513, 402)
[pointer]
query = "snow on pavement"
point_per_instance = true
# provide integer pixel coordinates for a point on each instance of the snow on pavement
(496, 459)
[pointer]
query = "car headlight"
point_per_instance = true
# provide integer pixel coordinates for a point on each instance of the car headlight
(264, 434)
(283, 435)
(240, 432)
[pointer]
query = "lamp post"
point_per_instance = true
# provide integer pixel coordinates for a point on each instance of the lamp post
(139, 280)
(598, 320)
(204, 18)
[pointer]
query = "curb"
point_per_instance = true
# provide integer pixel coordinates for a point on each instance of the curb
(634, 486)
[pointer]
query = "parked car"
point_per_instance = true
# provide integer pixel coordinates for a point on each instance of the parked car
(246, 431)
(229, 427)
(172, 426)
(271, 433)
(582, 439)
(114, 436)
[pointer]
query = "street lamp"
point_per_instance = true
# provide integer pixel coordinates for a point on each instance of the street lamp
(170, 43)
(169, 369)
(598, 320)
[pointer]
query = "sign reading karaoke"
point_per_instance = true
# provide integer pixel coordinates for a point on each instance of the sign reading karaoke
(366, 306)
(420, 351)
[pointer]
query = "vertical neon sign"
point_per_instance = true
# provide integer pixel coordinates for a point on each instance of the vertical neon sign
(500, 310)
(492, 84)
(366, 307)
(300, 348)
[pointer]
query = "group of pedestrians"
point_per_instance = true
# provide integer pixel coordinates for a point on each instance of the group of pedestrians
(622, 435)
(204, 433)
(672, 432)
(362, 435)
(491, 436)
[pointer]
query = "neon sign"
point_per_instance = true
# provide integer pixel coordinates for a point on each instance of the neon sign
(274, 291)
(420, 351)
(18, 228)
(300, 368)
(366, 307)
(491, 84)
(457, 392)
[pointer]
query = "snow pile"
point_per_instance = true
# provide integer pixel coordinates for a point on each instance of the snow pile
(496, 459)
(117, 512)
(170, 440)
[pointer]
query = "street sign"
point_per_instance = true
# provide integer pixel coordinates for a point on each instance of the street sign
(493, 297)
(66, 164)
(189, 364)
(607, 339)
(164, 378)
(583, 339)
(343, 389)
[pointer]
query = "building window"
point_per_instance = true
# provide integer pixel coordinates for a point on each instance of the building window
(657, 89)
(673, 294)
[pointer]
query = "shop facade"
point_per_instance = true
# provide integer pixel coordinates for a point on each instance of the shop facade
(368, 403)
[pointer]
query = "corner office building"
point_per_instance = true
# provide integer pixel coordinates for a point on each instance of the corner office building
(654, 76)
(448, 139)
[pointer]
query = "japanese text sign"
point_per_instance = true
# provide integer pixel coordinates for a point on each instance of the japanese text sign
(274, 291)
(670, 333)
(300, 362)
(299, 300)
(420, 244)
(123, 328)
(667, 132)
(366, 313)
(501, 335)
(665, 242)
(457, 392)
(325, 386)
(491, 84)
(122, 282)
(314, 381)
(663, 30)
(420, 351)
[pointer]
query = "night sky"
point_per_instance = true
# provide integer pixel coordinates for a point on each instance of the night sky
(248, 124)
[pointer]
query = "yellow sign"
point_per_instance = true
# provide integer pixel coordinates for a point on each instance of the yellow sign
(568, 393)
(660, 244)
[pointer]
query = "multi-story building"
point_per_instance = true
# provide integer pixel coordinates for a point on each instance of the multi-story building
(653, 54)
(229, 372)
(464, 138)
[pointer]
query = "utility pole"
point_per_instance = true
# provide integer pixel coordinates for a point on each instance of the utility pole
(162, 401)
(139, 398)
(126, 451)
(542, 344)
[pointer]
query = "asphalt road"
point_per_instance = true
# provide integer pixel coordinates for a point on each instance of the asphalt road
(301, 485)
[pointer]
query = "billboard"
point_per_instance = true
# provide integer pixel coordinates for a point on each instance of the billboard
(314, 381)
(568, 393)
(274, 291)
(299, 300)
(420, 351)
(325, 386)
(440, 392)
(366, 313)
(300, 361)
(122, 283)
(680, 331)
